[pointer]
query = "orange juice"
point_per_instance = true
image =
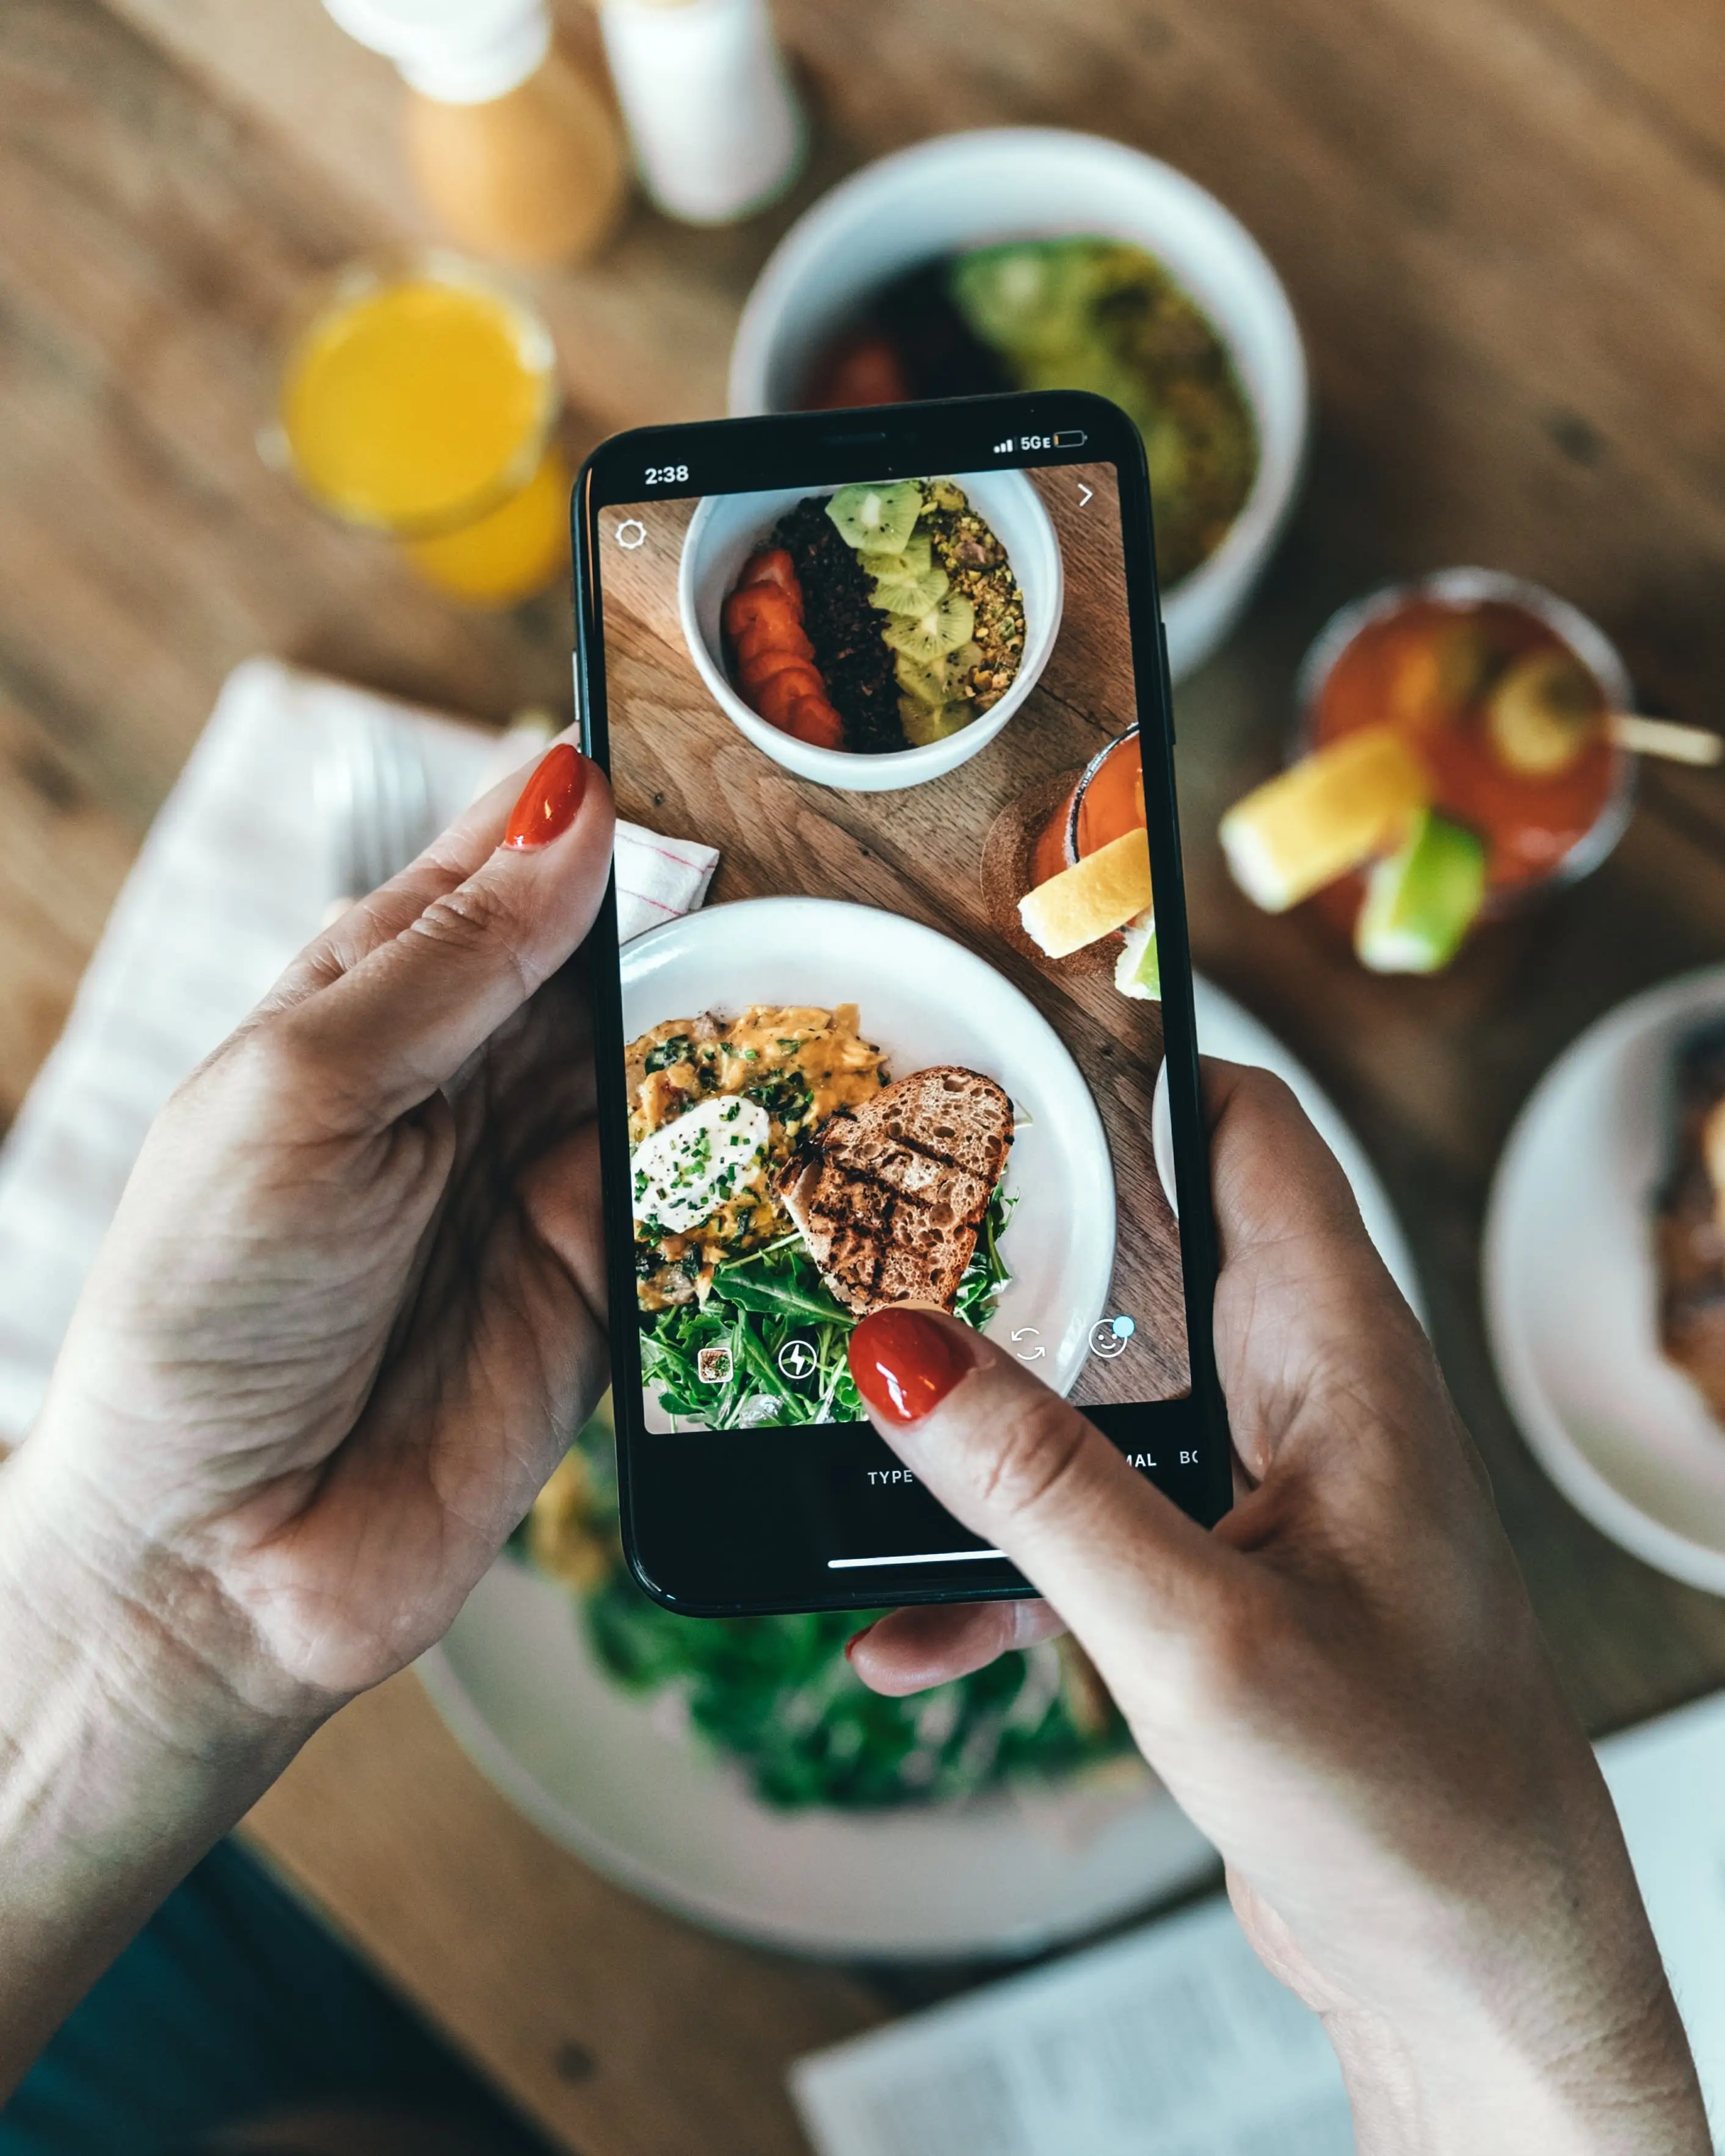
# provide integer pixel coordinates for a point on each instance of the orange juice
(419, 400)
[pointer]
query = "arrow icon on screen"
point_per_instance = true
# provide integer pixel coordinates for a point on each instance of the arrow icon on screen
(1083, 494)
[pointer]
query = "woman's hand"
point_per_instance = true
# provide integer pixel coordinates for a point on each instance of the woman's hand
(352, 1304)
(349, 1312)
(1343, 1685)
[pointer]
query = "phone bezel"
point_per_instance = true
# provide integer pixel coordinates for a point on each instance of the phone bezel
(669, 1527)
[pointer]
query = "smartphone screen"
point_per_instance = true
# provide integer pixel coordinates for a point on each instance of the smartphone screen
(895, 1001)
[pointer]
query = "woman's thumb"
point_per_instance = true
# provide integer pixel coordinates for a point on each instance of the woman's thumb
(1018, 1465)
(461, 939)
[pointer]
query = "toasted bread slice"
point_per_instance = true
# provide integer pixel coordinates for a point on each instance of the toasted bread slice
(890, 1197)
(1689, 1224)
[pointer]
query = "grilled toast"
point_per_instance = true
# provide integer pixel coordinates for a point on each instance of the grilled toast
(1689, 1224)
(890, 1197)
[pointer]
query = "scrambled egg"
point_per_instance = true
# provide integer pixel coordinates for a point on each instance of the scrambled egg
(797, 1063)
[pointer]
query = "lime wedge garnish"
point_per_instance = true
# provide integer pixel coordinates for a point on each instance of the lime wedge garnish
(1137, 972)
(1421, 900)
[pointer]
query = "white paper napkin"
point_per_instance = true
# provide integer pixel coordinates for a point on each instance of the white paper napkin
(232, 880)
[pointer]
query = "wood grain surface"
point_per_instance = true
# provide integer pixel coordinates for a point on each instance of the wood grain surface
(680, 766)
(1502, 225)
(614, 2026)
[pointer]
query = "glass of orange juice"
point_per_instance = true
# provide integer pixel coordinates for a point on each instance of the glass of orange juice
(418, 396)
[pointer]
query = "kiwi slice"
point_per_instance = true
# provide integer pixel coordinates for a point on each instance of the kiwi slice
(924, 723)
(947, 624)
(962, 665)
(877, 520)
(915, 597)
(926, 685)
(914, 559)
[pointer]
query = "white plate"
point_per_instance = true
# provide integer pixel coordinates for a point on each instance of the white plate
(923, 999)
(616, 1780)
(1226, 1030)
(1571, 1290)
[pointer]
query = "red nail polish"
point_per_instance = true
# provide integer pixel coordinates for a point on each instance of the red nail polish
(856, 1638)
(904, 1362)
(549, 799)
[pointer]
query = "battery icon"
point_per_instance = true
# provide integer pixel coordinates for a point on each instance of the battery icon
(1070, 438)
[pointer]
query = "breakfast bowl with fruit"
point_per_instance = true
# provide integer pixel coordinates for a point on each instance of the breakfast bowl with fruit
(878, 635)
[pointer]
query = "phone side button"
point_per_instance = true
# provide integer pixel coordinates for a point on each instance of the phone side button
(1167, 680)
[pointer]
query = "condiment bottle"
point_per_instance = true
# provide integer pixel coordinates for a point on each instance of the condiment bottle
(716, 128)
(516, 153)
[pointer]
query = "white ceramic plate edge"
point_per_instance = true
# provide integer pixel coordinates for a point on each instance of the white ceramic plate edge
(1587, 1487)
(1227, 1029)
(1185, 1856)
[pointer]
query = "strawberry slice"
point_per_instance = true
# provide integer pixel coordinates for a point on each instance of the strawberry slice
(766, 606)
(771, 636)
(760, 669)
(773, 566)
(775, 696)
(813, 720)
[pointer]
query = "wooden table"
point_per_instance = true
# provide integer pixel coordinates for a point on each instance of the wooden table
(1502, 222)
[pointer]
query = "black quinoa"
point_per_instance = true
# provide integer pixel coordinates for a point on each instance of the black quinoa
(844, 627)
(940, 352)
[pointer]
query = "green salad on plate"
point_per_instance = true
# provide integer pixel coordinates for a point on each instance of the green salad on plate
(776, 1698)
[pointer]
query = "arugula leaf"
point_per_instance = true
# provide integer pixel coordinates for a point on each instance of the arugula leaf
(775, 1295)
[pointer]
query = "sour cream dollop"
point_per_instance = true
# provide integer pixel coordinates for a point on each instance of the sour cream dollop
(683, 1173)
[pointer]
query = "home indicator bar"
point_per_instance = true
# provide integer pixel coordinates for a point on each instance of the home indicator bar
(915, 1557)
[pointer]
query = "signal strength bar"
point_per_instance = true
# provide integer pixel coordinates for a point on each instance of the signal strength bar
(1004, 448)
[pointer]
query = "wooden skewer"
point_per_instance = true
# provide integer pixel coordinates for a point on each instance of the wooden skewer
(1666, 738)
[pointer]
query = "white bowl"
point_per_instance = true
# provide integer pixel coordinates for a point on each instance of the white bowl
(968, 190)
(727, 528)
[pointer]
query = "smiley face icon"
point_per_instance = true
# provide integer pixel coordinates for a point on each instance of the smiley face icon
(1109, 1336)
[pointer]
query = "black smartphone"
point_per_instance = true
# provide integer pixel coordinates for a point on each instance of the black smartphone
(892, 993)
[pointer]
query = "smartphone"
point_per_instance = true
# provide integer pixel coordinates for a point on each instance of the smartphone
(892, 994)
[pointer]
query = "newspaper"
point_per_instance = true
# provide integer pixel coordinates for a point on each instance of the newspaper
(1174, 2041)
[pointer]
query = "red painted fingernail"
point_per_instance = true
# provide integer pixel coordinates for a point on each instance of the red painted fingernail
(904, 1362)
(549, 799)
(856, 1638)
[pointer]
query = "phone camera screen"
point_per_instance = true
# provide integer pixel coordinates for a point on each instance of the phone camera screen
(907, 1048)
